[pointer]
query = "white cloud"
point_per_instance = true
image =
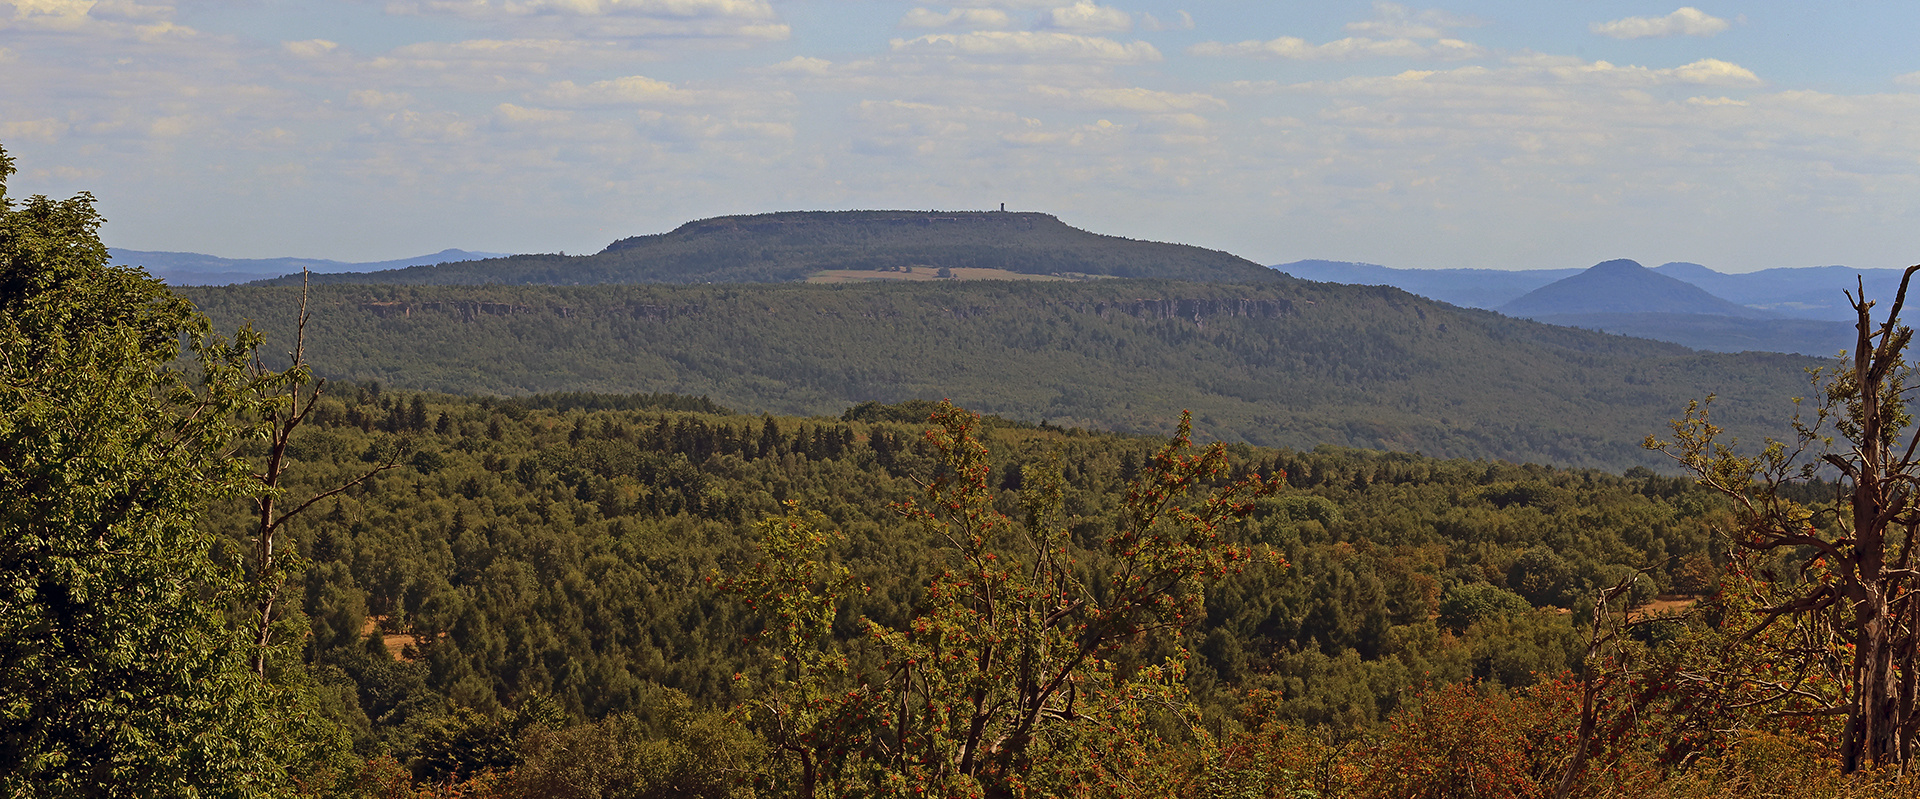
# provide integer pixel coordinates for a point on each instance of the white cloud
(1716, 72)
(1049, 45)
(310, 48)
(23, 9)
(1394, 32)
(1395, 21)
(508, 112)
(683, 9)
(1908, 79)
(735, 21)
(1705, 72)
(47, 129)
(1687, 21)
(975, 18)
(172, 126)
(1134, 99)
(1523, 78)
(627, 90)
(486, 56)
(1084, 16)
(380, 101)
(432, 128)
(805, 65)
(1347, 49)
(1181, 21)
(109, 18)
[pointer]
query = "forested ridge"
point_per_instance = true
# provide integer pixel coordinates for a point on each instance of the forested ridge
(1295, 364)
(786, 247)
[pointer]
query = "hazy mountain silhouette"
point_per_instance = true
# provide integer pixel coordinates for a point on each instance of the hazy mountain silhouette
(1623, 286)
(199, 269)
(1813, 292)
(1468, 288)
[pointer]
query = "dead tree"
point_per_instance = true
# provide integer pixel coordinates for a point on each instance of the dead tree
(1852, 606)
(291, 396)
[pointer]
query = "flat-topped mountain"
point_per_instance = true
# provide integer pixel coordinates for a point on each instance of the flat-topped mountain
(1622, 286)
(795, 246)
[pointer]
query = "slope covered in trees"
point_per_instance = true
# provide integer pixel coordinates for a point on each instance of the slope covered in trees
(541, 548)
(1295, 364)
(786, 247)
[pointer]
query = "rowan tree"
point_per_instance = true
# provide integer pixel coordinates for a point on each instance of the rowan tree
(1009, 682)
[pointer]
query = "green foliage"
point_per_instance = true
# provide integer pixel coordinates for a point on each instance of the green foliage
(1001, 683)
(468, 743)
(665, 750)
(566, 553)
(1285, 364)
(120, 674)
(803, 704)
(1465, 605)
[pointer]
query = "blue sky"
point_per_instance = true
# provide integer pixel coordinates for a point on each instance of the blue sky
(1472, 134)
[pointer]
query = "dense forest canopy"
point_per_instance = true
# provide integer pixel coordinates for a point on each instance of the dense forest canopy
(1292, 364)
(787, 247)
(545, 546)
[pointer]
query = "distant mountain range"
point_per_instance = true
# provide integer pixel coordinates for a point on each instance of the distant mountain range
(1799, 310)
(1623, 286)
(1255, 354)
(196, 269)
(1467, 288)
(1812, 292)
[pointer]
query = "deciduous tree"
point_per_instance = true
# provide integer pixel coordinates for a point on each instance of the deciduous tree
(120, 672)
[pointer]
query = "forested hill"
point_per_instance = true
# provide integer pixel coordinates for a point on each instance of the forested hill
(1291, 364)
(787, 247)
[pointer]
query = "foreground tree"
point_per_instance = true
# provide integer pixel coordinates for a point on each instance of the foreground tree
(120, 673)
(1011, 680)
(1827, 593)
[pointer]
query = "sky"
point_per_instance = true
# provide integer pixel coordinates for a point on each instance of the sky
(1502, 135)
